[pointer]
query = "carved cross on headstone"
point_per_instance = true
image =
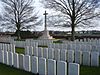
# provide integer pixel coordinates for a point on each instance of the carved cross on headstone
(45, 19)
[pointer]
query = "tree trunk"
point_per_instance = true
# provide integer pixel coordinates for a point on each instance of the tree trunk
(73, 33)
(18, 35)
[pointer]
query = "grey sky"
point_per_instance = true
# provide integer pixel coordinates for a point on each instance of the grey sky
(40, 9)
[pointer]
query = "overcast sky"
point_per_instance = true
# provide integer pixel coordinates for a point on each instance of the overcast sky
(40, 9)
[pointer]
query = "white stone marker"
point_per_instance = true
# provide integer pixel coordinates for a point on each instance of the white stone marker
(30, 50)
(78, 47)
(35, 51)
(5, 47)
(8, 47)
(78, 57)
(34, 64)
(95, 59)
(10, 58)
(70, 56)
(13, 48)
(1, 56)
(45, 53)
(73, 69)
(0, 46)
(86, 58)
(27, 63)
(42, 66)
(51, 67)
(57, 54)
(61, 68)
(21, 61)
(26, 50)
(40, 52)
(63, 55)
(6, 58)
(16, 60)
(50, 53)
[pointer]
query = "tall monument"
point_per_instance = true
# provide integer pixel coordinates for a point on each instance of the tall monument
(45, 32)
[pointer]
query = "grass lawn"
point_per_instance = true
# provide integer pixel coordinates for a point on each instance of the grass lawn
(84, 70)
(20, 50)
(7, 70)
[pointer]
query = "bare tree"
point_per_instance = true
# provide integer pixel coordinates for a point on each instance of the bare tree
(79, 12)
(19, 14)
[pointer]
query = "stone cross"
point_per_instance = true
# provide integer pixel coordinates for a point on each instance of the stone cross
(45, 20)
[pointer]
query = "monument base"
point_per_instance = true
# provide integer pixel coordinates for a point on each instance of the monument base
(45, 35)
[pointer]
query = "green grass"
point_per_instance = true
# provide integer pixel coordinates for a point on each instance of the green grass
(20, 50)
(85, 70)
(7, 70)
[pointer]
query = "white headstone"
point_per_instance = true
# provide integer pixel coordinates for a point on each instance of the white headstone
(83, 47)
(13, 48)
(61, 68)
(73, 69)
(78, 47)
(8, 47)
(5, 47)
(78, 57)
(16, 60)
(35, 51)
(57, 54)
(27, 42)
(26, 50)
(63, 55)
(95, 59)
(70, 56)
(21, 61)
(27, 63)
(40, 52)
(50, 53)
(51, 67)
(1, 56)
(30, 50)
(45, 53)
(34, 64)
(94, 48)
(6, 58)
(42, 66)
(86, 58)
(0, 46)
(10, 58)
(88, 47)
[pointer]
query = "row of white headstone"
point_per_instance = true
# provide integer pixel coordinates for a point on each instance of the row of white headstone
(40, 42)
(76, 46)
(83, 58)
(38, 65)
(69, 45)
(83, 46)
(7, 47)
(31, 42)
(84, 40)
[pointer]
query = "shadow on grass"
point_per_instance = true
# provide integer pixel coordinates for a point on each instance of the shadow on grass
(85, 70)
(8, 70)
